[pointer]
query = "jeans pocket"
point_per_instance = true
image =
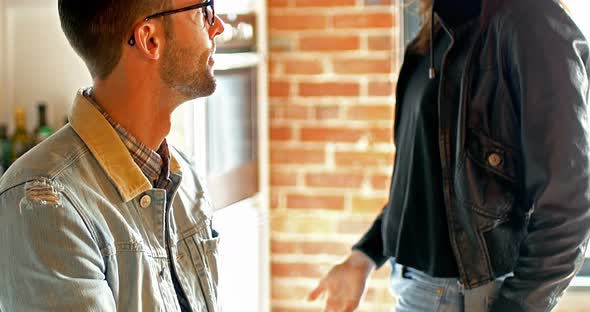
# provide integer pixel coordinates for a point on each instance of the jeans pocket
(398, 283)
(413, 296)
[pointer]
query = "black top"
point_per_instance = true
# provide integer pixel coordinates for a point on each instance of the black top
(413, 227)
(417, 189)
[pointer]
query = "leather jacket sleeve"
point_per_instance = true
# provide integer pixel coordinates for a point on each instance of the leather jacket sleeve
(546, 60)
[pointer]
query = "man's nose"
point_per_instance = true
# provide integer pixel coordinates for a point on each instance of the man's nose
(217, 28)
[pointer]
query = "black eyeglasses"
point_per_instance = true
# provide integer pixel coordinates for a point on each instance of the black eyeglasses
(208, 13)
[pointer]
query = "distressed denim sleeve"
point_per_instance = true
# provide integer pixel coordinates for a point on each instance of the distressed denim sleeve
(49, 260)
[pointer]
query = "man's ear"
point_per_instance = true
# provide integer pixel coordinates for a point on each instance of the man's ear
(149, 40)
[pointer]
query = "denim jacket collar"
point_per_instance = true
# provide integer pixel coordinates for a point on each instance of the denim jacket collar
(106, 146)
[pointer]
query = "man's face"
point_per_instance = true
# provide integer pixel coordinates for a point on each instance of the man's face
(187, 60)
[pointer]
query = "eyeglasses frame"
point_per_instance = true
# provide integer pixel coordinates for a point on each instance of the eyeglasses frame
(131, 41)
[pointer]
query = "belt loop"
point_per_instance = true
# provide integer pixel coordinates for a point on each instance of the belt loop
(461, 287)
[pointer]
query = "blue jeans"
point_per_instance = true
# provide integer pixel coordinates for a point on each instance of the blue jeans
(419, 292)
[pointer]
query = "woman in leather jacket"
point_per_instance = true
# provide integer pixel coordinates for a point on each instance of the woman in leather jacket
(489, 207)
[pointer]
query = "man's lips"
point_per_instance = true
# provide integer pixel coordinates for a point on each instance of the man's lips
(211, 61)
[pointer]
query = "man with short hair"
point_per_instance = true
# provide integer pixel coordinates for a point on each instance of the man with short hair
(105, 215)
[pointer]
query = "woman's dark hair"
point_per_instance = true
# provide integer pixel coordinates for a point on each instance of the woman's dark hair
(98, 29)
(422, 43)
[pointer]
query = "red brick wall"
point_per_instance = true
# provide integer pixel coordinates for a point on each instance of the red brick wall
(332, 72)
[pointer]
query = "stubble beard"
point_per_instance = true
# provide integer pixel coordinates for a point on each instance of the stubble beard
(190, 76)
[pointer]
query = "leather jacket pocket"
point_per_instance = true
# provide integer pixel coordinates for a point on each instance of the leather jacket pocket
(485, 178)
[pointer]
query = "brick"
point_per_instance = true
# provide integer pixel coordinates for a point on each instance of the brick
(363, 159)
(273, 67)
(357, 227)
(329, 248)
(303, 247)
(296, 112)
(327, 112)
(283, 269)
(325, 202)
(278, 89)
(289, 112)
(282, 42)
(284, 247)
(337, 180)
(297, 22)
(331, 134)
(381, 135)
(291, 222)
(329, 43)
(362, 66)
(303, 67)
(282, 178)
(281, 133)
(381, 43)
(324, 3)
(381, 182)
(365, 20)
(278, 3)
(371, 113)
(381, 88)
(296, 156)
(368, 205)
(329, 89)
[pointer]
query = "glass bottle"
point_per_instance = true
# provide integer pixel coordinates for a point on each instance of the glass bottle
(5, 148)
(20, 138)
(43, 131)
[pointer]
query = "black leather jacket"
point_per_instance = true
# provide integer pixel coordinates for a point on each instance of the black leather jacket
(514, 133)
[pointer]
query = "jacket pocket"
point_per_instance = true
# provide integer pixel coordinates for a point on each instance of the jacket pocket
(200, 271)
(485, 178)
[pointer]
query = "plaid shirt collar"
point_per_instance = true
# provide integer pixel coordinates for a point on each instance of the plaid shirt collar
(155, 165)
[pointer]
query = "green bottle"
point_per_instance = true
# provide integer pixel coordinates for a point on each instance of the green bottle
(43, 131)
(5, 148)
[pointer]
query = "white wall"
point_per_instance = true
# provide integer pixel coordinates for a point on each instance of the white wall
(39, 63)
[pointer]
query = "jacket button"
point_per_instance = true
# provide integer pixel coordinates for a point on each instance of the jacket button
(495, 159)
(145, 201)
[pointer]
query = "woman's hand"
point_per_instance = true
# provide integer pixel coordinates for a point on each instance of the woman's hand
(345, 283)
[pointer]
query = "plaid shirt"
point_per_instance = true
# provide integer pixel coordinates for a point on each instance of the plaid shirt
(155, 165)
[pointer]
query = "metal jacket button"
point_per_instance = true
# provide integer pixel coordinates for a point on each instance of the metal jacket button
(145, 201)
(495, 159)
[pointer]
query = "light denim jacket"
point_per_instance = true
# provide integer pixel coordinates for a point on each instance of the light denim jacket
(82, 229)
